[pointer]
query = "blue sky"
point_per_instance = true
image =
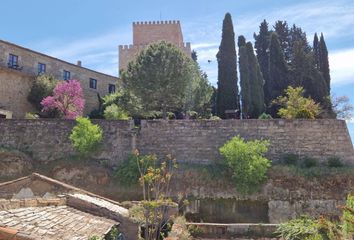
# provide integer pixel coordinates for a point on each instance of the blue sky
(91, 30)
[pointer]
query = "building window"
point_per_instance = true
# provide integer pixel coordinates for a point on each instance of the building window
(13, 61)
(41, 68)
(66, 75)
(93, 83)
(111, 88)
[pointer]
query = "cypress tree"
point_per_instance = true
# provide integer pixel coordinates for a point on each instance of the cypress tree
(227, 94)
(261, 45)
(324, 63)
(306, 75)
(297, 35)
(301, 65)
(256, 83)
(194, 56)
(244, 76)
(278, 72)
(282, 29)
(316, 53)
(251, 81)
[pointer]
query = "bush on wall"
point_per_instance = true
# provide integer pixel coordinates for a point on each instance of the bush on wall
(128, 171)
(320, 229)
(114, 112)
(247, 162)
(86, 136)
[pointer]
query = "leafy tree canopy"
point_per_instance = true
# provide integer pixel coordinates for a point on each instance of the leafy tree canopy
(159, 77)
(295, 105)
(42, 87)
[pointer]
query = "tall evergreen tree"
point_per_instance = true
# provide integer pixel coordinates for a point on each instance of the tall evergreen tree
(262, 41)
(316, 53)
(227, 94)
(278, 72)
(251, 81)
(297, 35)
(282, 29)
(194, 56)
(304, 74)
(324, 63)
(256, 84)
(245, 93)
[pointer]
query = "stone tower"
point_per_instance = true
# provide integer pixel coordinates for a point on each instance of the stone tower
(145, 33)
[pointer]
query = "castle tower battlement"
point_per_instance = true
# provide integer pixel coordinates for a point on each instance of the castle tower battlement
(147, 32)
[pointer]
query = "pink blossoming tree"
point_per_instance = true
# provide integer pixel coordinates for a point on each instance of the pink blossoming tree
(67, 99)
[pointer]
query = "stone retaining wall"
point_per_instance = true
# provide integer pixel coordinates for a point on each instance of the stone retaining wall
(187, 140)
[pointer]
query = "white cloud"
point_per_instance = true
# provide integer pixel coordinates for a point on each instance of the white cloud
(341, 64)
(351, 121)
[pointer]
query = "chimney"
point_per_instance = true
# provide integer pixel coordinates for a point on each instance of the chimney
(79, 63)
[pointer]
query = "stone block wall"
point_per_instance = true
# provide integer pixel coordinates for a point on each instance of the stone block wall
(188, 141)
(48, 140)
(199, 141)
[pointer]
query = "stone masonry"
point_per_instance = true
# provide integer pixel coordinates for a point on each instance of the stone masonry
(15, 83)
(189, 141)
(145, 33)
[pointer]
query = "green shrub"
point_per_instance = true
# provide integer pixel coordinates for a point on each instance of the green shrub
(114, 112)
(86, 136)
(290, 159)
(348, 218)
(320, 229)
(265, 116)
(42, 87)
(334, 162)
(304, 114)
(128, 172)
(298, 229)
(247, 162)
(112, 235)
(309, 162)
(295, 105)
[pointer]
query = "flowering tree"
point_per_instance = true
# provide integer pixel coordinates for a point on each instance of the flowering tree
(67, 99)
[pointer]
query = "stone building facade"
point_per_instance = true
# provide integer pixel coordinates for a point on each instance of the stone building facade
(19, 66)
(145, 33)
